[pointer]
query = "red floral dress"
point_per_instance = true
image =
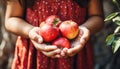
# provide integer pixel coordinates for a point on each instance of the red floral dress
(27, 57)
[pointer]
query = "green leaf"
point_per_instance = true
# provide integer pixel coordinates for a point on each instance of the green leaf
(110, 39)
(116, 20)
(117, 30)
(111, 16)
(116, 44)
(117, 3)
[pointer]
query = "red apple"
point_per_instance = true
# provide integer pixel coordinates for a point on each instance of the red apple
(69, 29)
(48, 32)
(62, 42)
(53, 19)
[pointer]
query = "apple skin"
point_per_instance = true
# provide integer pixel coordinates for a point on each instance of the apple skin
(48, 32)
(62, 42)
(53, 19)
(69, 29)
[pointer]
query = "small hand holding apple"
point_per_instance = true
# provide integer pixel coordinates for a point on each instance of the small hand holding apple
(48, 50)
(78, 43)
(37, 40)
(59, 34)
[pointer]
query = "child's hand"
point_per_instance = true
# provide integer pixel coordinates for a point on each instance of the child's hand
(34, 35)
(78, 43)
(48, 50)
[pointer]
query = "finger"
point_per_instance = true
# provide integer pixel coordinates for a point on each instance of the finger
(44, 47)
(50, 48)
(38, 38)
(64, 52)
(34, 35)
(85, 33)
(74, 50)
(52, 53)
(83, 41)
(84, 38)
(56, 56)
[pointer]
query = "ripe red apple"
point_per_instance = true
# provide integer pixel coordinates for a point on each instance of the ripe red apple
(69, 29)
(48, 32)
(53, 19)
(62, 42)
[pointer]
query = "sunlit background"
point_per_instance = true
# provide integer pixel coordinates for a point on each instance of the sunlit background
(102, 54)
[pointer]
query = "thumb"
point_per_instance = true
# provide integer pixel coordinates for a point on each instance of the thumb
(85, 36)
(34, 35)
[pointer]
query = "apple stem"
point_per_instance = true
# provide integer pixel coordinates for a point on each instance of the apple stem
(56, 21)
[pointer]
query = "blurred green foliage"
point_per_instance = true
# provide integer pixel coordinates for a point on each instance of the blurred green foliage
(113, 40)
